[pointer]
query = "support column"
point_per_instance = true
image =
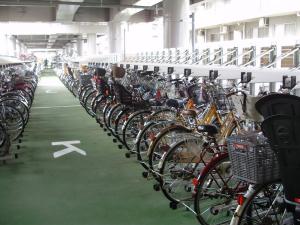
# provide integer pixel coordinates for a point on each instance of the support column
(8, 45)
(25, 49)
(65, 52)
(79, 46)
(176, 23)
(74, 48)
(91, 42)
(115, 37)
(18, 52)
(22, 48)
(13, 46)
(3, 45)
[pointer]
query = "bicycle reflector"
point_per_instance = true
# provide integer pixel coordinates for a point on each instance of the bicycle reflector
(195, 181)
(297, 200)
(240, 199)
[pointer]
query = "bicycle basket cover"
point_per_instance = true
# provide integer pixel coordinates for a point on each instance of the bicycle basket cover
(251, 113)
(118, 72)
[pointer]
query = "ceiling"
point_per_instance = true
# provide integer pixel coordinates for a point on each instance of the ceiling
(42, 41)
(63, 11)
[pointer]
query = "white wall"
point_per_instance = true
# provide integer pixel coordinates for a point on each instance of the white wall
(281, 29)
(218, 12)
(141, 37)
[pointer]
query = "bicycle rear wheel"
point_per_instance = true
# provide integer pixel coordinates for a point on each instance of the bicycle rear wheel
(216, 192)
(265, 206)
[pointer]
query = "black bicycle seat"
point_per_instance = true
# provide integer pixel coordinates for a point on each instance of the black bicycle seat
(210, 129)
(172, 103)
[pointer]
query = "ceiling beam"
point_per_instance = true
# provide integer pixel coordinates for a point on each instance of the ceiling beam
(125, 14)
(79, 4)
(46, 40)
(48, 28)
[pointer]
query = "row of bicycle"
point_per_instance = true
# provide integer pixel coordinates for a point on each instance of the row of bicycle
(200, 143)
(17, 87)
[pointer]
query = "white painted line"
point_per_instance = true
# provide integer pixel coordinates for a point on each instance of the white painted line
(56, 106)
(70, 148)
(65, 142)
(51, 92)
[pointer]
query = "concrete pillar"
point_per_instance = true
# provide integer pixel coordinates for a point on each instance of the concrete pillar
(65, 52)
(74, 48)
(91, 42)
(18, 52)
(69, 49)
(7, 43)
(115, 37)
(79, 46)
(176, 23)
(3, 44)
(25, 49)
(21, 48)
(13, 49)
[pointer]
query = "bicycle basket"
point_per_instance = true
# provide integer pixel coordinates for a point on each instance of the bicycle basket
(122, 95)
(252, 159)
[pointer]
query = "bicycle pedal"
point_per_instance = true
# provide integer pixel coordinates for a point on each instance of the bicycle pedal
(156, 187)
(115, 140)
(127, 155)
(173, 205)
(145, 174)
(20, 141)
(120, 146)
(109, 134)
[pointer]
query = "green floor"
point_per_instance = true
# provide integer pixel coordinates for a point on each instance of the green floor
(101, 188)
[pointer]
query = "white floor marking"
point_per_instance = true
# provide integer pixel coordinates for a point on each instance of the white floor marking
(56, 106)
(50, 92)
(70, 148)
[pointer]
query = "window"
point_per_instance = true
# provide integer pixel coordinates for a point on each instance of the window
(287, 62)
(290, 29)
(249, 32)
(229, 36)
(214, 37)
(263, 32)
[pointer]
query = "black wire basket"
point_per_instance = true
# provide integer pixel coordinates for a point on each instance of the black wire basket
(125, 97)
(252, 159)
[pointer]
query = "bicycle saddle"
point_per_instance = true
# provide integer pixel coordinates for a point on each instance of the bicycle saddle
(172, 103)
(210, 129)
(189, 112)
(154, 102)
